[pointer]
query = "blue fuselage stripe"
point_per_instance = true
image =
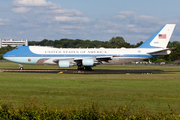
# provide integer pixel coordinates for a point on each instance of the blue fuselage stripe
(87, 55)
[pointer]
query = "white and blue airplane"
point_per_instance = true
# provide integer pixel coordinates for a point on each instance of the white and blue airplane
(87, 58)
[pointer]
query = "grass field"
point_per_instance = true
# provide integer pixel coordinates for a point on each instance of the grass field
(153, 91)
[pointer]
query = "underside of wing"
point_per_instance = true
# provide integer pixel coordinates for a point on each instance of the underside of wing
(91, 61)
(104, 58)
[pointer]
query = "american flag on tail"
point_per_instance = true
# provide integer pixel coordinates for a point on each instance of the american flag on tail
(162, 36)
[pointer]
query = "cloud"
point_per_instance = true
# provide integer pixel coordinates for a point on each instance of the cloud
(59, 12)
(112, 31)
(139, 20)
(21, 32)
(21, 10)
(32, 3)
(73, 27)
(43, 19)
(67, 12)
(72, 19)
(107, 26)
(29, 25)
(4, 21)
(133, 27)
(137, 27)
(48, 12)
(125, 15)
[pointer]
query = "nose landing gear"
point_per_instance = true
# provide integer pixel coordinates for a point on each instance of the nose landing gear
(20, 67)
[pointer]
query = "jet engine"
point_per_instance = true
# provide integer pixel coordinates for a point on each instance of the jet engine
(88, 62)
(64, 64)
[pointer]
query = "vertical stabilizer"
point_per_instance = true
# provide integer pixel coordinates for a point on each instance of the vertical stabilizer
(160, 39)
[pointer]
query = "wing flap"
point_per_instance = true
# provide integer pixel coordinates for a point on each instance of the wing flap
(65, 59)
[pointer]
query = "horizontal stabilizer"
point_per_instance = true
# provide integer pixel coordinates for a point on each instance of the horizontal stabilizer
(160, 52)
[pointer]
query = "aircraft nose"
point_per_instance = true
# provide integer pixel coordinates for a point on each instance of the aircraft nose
(5, 55)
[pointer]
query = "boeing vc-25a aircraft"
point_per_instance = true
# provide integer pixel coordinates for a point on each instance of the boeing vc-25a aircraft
(87, 58)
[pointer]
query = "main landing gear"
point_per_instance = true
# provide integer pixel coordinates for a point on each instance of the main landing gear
(88, 68)
(80, 67)
(84, 68)
(20, 67)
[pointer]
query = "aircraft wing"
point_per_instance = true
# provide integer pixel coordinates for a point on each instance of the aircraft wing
(66, 59)
(79, 60)
(103, 58)
(97, 60)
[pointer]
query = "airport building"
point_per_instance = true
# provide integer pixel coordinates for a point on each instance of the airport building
(13, 43)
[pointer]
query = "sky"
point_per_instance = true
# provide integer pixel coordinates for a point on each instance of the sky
(134, 20)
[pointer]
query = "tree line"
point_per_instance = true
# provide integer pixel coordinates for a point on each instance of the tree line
(114, 42)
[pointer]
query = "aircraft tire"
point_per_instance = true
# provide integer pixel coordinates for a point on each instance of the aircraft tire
(21, 68)
(88, 68)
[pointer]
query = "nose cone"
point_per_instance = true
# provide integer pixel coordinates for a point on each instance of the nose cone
(5, 55)
(8, 56)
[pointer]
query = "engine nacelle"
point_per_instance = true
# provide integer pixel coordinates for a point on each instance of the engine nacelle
(88, 62)
(64, 64)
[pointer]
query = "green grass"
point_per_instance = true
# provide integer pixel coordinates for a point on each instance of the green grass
(154, 91)
(10, 65)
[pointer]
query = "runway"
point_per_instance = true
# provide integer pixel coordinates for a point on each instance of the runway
(73, 71)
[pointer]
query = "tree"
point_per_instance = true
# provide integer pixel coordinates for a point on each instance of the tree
(3, 50)
(117, 42)
(9, 48)
(138, 44)
(160, 60)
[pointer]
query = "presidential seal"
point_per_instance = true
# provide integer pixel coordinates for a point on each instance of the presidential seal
(29, 60)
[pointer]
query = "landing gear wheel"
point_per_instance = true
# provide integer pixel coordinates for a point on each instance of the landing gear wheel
(80, 68)
(88, 68)
(21, 68)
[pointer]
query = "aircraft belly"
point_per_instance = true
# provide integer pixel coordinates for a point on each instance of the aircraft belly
(117, 61)
(47, 61)
(41, 61)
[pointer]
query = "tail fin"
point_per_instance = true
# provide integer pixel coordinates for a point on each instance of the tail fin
(160, 39)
